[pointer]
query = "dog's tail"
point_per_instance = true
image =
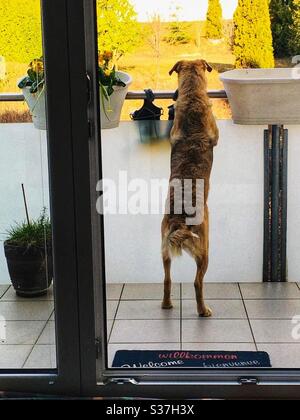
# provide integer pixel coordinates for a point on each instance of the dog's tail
(176, 240)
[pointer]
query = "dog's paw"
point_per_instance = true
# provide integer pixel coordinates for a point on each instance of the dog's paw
(206, 313)
(167, 305)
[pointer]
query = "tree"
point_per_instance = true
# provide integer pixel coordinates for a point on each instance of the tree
(20, 30)
(214, 23)
(118, 29)
(282, 26)
(253, 46)
(154, 39)
(155, 32)
(294, 44)
(178, 30)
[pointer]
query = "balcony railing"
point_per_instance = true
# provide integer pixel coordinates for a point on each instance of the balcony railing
(213, 94)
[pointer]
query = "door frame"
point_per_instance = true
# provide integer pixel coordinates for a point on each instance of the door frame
(66, 104)
(252, 383)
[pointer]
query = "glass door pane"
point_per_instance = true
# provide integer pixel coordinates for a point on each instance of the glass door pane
(254, 319)
(27, 324)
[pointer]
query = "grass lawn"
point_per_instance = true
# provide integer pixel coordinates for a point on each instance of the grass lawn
(14, 111)
(149, 71)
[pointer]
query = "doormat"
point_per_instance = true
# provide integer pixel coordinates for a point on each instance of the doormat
(141, 359)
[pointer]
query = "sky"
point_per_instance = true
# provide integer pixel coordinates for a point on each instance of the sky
(190, 9)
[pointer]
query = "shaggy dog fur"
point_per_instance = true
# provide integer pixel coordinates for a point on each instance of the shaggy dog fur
(193, 137)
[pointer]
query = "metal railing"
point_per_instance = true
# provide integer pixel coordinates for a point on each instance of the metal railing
(11, 97)
(213, 94)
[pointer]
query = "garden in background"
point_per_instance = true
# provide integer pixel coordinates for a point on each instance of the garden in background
(262, 33)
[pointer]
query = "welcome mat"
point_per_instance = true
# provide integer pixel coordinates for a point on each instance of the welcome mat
(142, 359)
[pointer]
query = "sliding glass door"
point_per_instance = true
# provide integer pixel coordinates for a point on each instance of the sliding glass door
(142, 345)
(39, 321)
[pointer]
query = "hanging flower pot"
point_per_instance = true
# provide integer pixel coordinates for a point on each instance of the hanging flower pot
(114, 87)
(33, 88)
(111, 107)
(37, 105)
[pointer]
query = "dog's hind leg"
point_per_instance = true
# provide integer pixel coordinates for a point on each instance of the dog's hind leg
(202, 265)
(167, 302)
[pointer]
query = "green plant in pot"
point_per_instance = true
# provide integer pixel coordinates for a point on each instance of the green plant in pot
(33, 86)
(28, 251)
(114, 86)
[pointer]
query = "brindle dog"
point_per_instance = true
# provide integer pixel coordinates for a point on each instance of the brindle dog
(193, 137)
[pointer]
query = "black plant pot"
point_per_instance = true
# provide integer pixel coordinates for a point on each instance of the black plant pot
(30, 269)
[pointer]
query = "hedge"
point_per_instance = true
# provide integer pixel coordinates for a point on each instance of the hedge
(20, 30)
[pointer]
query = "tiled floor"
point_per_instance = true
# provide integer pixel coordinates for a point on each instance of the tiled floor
(246, 317)
(27, 338)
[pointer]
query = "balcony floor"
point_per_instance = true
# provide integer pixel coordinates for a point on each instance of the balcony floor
(246, 317)
(29, 340)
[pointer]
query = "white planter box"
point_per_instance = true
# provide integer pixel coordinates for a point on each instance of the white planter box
(264, 96)
(37, 106)
(111, 111)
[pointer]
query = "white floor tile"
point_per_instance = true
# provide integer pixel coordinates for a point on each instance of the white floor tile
(283, 356)
(42, 357)
(148, 291)
(146, 332)
(275, 331)
(26, 311)
(20, 332)
(272, 309)
(113, 291)
(216, 331)
(13, 357)
(222, 309)
(218, 347)
(111, 307)
(270, 291)
(213, 291)
(109, 327)
(147, 309)
(3, 290)
(48, 335)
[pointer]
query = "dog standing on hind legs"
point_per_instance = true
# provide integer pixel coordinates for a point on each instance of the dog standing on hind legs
(193, 137)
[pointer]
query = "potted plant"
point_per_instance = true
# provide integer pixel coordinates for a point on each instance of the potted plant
(113, 90)
(33, 88)
(28, 251)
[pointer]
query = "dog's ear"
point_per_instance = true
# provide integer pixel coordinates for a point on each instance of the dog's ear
(177, 68)
(204, 65)
(208, 67)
